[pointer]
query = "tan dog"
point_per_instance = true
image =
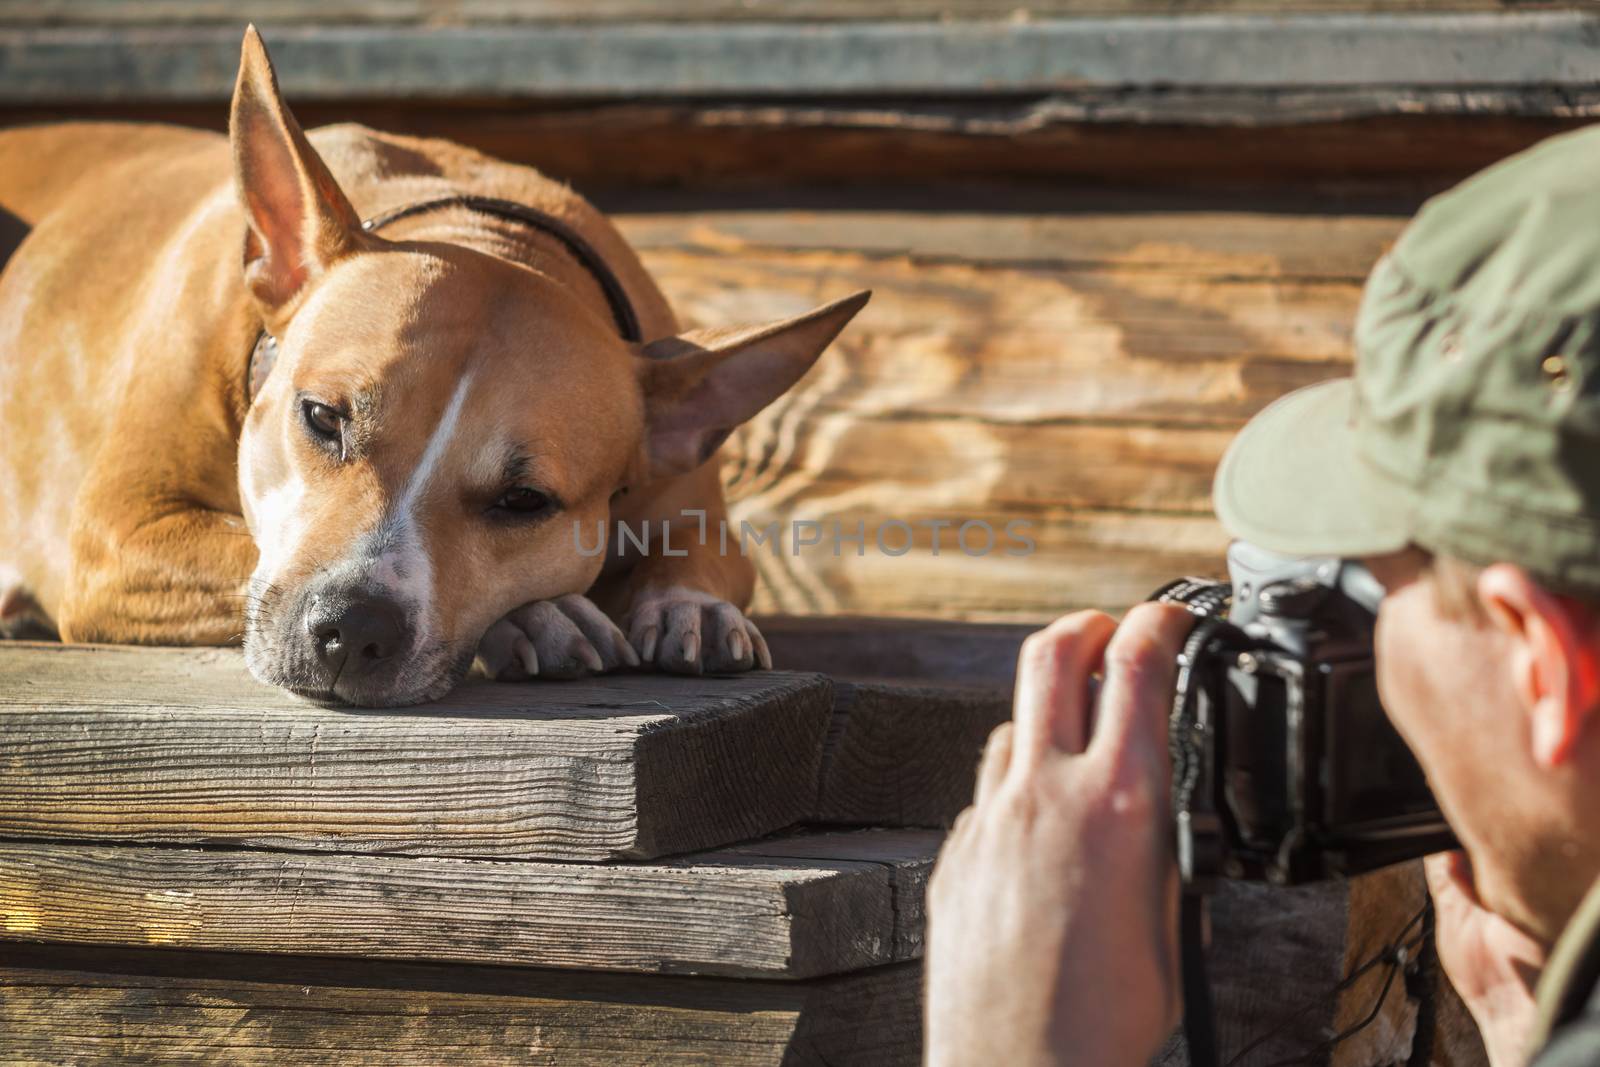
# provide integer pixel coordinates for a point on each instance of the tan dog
(447, 410)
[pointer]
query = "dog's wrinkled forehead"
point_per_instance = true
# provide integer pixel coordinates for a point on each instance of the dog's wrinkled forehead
(413, 342)
(381, 309)
(428, 311)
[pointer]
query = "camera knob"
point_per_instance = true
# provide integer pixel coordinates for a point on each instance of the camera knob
(1293, 599)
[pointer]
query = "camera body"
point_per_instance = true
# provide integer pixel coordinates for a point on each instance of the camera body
(1285, 767)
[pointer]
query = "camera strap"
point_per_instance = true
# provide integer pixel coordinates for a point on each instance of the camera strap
(1188, 741)
(1199, 1014)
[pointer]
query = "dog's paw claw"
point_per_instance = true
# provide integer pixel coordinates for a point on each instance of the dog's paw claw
(646, 645)
(567, 637)
(689, 632)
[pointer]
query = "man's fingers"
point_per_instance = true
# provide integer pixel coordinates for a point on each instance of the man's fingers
(1141, 668)
(1052, 685)
(996, 758)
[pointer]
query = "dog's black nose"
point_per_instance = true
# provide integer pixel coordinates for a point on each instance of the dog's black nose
(355, 634)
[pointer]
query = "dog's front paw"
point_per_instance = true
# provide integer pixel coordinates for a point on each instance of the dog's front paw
(562, 638)
(685, 631)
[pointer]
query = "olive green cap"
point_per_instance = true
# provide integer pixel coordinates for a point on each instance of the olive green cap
(1472, 425)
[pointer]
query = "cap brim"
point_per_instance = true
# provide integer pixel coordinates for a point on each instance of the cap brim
(1293, 483)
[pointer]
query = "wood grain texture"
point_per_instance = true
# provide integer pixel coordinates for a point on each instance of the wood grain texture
(1020, 346)
(856, 648)
(96, 1006)
(1083, 386)
(456, 12)
(182, 746)
(794, 908)
(1258, 238)
(1342, 142)
(725, 59)
(905, 754)
(1424, 1012)
(1277, 958)
(1275, 955)
(914, 702)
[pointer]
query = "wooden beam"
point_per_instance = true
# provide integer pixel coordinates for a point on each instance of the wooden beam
(1205, 342)
(94, 1005)
(1277, 958)
(795, 908)
(1347, 142)
(906, 754)
(914, 702)
(860, 649)
(1166, 233)
(1102, 560)
(727, 58)
(181, 746)
(457, 12)
(898, 750)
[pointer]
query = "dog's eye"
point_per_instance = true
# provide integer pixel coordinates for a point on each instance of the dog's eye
(323, 421)
(522, 503)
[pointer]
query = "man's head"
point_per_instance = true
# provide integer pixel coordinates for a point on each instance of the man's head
(438, 422)
(1494, 681)
(1463, 464)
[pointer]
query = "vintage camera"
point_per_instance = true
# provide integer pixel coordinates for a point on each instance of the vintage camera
(1285, 767)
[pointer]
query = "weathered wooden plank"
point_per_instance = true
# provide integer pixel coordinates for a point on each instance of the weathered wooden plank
(905, 857)
(1276, 956)
(447, 12)
(182, 746)
(1341, 142)
(1078, 560)
(1279, 959)
(1160, 233)
(618, 60)
(1022, 346)
(98, 1006)
(906, 754)
(821, 904)
(917, 651)
(965, 369)
(1023, 465)
(914, 701)
(1087, 406)
(1335, 141)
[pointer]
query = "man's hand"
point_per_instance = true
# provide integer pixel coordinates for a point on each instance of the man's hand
(1493, 964)
(1052, 913)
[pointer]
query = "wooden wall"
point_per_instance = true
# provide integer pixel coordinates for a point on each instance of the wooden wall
(1081, 290)
(1080, 371)
(444, 12)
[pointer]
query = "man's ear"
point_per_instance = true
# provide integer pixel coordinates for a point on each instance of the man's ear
(700, 385)
(300, 221)
(1555, 657)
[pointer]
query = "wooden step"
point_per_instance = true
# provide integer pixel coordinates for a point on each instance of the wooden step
(914, 702)
(793, 907)
(181, 747)
(117, 1006)
(1279, 961)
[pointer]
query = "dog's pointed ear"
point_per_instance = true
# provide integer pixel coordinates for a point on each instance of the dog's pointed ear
(700, 385)
(300, 220)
